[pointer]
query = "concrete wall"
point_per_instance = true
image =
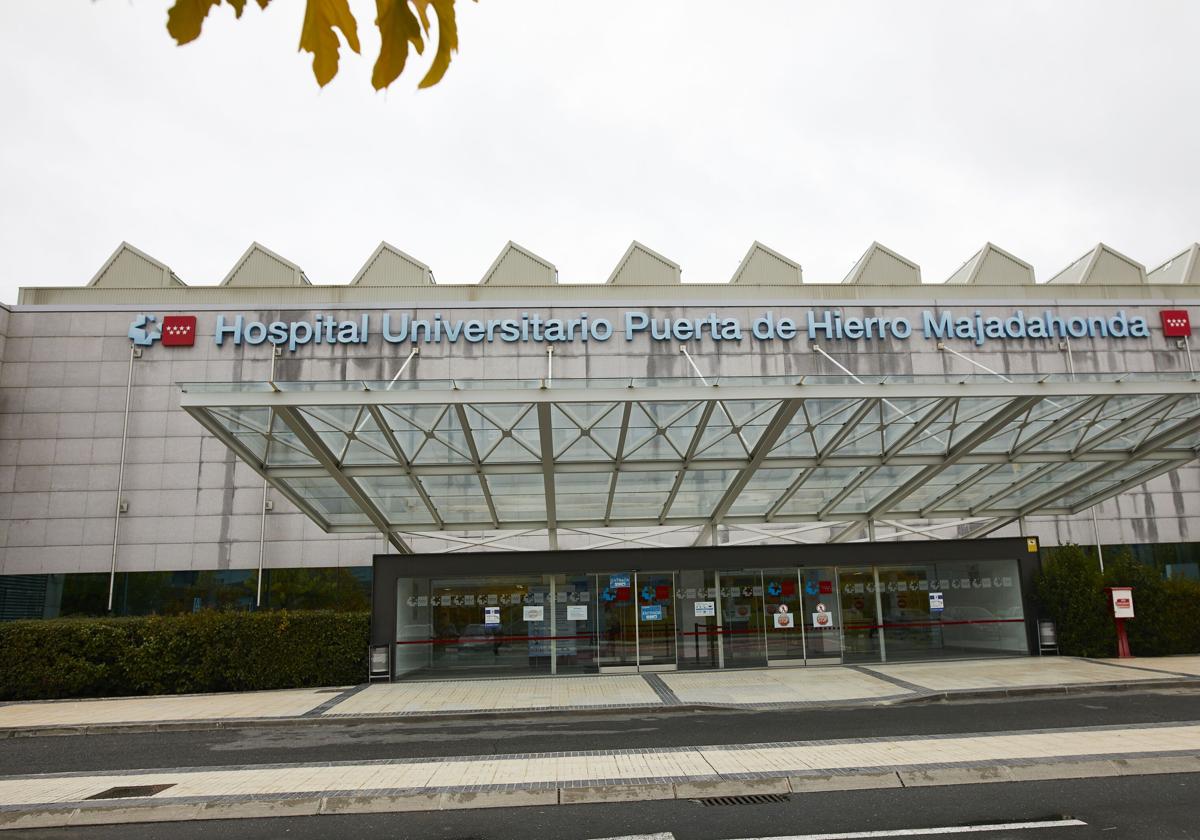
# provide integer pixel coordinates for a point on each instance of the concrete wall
(192, 505)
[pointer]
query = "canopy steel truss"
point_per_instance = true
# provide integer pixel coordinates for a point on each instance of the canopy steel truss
(684, 457)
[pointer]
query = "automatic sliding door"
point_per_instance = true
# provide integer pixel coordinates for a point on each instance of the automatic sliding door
(742, 619)
(655, 620)
(784, 621)
(862, 633)
(821, 617)
(616, 621)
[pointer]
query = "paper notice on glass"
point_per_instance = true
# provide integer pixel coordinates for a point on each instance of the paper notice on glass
(576, 612)
(822, 620)
(491, 615)
(533, 613)
(706, 608)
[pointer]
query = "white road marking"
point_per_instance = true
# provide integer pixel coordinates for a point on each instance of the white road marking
(922, 832)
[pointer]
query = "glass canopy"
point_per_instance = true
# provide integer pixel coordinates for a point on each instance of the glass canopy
(469, 455)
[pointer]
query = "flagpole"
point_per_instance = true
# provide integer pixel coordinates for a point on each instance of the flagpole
(112, 569)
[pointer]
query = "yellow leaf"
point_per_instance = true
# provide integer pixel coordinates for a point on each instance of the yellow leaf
(398, 26)
(318, 38)
(186, 17)
(447, 39)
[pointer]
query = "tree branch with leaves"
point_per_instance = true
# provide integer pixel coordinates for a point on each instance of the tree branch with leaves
(401, 23)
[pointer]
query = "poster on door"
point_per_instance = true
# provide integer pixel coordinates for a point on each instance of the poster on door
(491, 616)
(783, 618)
(822, 619)
(652, 613)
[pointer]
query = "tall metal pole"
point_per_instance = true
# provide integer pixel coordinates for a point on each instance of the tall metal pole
(262, 526)
(262, 545)
(112, 568)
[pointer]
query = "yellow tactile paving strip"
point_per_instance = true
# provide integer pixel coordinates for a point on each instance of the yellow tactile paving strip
(1020, 672)
(497, 695)
(252, 704)
(779, 685)
(534, 770)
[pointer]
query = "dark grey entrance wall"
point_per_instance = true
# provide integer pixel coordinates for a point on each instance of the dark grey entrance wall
(388, 568)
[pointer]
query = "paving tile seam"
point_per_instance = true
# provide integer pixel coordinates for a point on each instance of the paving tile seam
(569, 754)
(664, 691)
(1138, 668)
(879, 675)
(316, 711)
(628, 781)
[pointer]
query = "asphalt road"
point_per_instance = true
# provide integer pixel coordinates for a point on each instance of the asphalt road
(1139, 807)
(591, 731)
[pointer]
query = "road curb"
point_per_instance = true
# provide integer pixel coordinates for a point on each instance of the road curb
(282, 805)
(134, 727)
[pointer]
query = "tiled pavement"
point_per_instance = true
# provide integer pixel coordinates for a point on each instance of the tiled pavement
(825, 684)
(692, 771)
(751, 688)
(1023, 673)
(261, 704)
(497, 695)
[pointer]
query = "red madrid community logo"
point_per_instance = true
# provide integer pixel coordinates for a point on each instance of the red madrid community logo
(179, 330)
(1175, 323)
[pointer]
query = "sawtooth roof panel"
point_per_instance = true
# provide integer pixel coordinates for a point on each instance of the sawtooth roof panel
(516, 266)
(130, 268)
(1102, 266)
(763, 266)
(641, 266)
(389, 266)
(262, 267)
(880, 266)
(993, 266)
(1181, 269)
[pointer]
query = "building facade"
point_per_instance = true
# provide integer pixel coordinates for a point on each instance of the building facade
(127, 475)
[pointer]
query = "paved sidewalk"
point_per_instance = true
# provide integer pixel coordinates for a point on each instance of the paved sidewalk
(752, 688)
(595, 776)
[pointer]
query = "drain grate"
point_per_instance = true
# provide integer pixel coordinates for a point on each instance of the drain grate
(130, 791)
(748, 799)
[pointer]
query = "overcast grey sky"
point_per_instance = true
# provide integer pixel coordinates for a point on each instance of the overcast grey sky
(571, 128)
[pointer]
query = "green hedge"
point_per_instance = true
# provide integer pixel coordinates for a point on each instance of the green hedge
(1070, 591)
(204, 651)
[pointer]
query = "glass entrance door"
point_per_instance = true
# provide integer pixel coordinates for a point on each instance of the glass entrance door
(616, 622)
(655, 620)
(742, 617)
(821, 616)
(784, 630)
(862, 630)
